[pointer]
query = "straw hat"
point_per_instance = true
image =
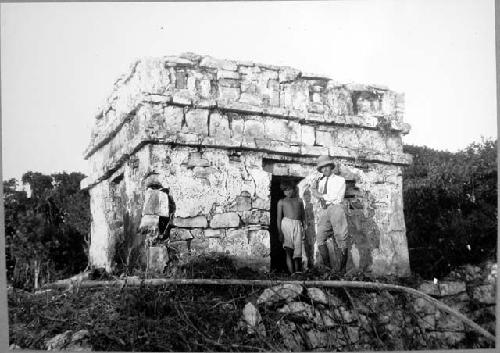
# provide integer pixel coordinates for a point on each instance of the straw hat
(323, 161)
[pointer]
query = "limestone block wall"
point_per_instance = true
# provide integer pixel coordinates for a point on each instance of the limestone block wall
(221, 204)
(216, 133)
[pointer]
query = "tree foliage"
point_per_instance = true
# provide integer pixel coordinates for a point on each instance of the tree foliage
(46, 232)
(450, 204)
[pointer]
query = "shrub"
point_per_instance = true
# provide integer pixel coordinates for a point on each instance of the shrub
(450, 202)
(45, 232)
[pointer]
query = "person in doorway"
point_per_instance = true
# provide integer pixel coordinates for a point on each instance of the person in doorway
(157, 211)
(330, 191)
(291, 226)
(166, 220)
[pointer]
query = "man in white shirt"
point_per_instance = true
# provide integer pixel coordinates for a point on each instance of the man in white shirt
(330, 192)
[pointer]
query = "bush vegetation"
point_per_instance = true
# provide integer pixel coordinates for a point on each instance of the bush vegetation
(47, 232)
(450, 202)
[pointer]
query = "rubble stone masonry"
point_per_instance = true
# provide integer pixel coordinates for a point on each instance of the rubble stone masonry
(216, 133)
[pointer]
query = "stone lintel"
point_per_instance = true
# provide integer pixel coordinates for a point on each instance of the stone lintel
(314, 76)
(270, 155)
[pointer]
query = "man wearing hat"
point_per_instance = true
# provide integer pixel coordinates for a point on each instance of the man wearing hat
(330, 191)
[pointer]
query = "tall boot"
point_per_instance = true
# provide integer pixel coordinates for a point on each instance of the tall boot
(323, 251)
(343, 261)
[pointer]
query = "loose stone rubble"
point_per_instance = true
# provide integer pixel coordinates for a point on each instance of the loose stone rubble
(286, 292)
(70, 341)
(324, 319)
(214, 133)
(252, 320)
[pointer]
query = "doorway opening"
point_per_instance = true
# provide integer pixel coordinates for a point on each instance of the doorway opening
(278, 263)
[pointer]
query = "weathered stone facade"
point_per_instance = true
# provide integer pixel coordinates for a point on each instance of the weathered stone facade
(216, 133)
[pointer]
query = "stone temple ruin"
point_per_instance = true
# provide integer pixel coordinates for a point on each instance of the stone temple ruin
(187, 154)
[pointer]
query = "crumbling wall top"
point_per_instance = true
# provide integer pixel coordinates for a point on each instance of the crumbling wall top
(196, 81)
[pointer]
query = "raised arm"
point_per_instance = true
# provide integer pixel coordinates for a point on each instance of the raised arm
(314, 189)
(320, 196)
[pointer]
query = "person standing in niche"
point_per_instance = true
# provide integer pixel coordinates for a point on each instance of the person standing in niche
(158, 210)
(330, 191)
(165, 222)
(291, 225)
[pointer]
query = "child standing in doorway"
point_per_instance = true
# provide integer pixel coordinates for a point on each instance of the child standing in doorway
(291, 226)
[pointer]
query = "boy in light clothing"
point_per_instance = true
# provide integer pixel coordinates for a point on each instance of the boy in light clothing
(291, 227)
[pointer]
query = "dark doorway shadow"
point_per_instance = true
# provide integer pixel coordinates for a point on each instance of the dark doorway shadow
(278, 263)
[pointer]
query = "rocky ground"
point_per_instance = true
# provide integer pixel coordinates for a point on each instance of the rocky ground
(245, 318)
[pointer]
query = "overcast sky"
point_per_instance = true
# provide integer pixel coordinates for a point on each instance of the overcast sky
(60, 60)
